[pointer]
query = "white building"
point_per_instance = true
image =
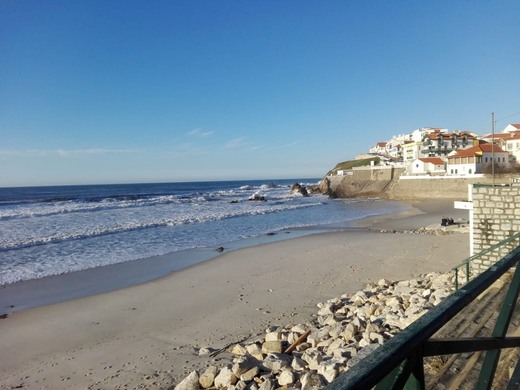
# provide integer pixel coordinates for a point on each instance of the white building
(476, 160)
(508, 140)
(428, 166)
(511, 145)
(411, 151)
(511, 128)
(419, 134)
(379, 149)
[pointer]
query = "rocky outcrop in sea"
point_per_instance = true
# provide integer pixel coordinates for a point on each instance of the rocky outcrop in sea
(343, 331)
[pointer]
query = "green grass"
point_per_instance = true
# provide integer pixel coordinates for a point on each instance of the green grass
(345, 165)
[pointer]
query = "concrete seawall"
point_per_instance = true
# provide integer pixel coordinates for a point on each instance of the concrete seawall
(387, 183)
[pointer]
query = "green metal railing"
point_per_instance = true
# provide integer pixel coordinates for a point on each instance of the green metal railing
(498, 250)
(398, 364)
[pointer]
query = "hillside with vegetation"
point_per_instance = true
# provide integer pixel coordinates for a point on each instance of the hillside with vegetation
(346, 165)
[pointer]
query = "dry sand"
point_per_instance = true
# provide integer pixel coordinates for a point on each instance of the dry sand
(146, 336)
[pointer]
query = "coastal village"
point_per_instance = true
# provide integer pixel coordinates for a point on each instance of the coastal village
(347, 329)
(438, 152)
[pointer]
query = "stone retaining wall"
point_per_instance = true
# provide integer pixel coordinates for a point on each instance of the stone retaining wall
(388, 183)
(496, 217)
(428, 188)
(364, 182)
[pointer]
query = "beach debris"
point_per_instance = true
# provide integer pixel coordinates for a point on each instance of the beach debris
(447, 221)
(297, 342)
(311, 355)
(216, 352)
(444, 228)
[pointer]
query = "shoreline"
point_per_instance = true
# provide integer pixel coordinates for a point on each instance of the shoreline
(52, 289)
(147, 335)
(29, 294)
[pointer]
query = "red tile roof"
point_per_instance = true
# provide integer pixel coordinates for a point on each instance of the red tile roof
(432, 160)
(477, 150)
(435, 136)
(504, 136)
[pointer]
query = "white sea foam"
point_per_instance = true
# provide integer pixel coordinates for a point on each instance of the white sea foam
(41, 238)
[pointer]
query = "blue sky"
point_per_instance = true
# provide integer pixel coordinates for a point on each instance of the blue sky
(120, 91)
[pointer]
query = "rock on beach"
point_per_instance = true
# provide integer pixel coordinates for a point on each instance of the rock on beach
(344, 331)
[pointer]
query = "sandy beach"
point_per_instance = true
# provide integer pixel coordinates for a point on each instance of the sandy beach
(147, 335)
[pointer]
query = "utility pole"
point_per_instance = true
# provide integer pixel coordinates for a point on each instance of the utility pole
(493, 147)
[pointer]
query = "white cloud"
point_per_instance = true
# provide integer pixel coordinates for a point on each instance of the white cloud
(240, 142)
(199, 133)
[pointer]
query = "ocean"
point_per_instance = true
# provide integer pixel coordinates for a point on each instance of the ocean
(46, 231)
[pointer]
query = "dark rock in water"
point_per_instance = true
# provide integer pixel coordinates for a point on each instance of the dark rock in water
(297, 188)
(220, 249)
(234, 201)
(257, 196)
(271, 234)
(325, 189)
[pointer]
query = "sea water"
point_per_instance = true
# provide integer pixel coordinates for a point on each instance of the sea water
(48, 231)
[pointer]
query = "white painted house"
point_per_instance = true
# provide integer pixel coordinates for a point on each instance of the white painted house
(428, 166)
(379, 149)
(508, 140)
(511, 128)
(476, 160)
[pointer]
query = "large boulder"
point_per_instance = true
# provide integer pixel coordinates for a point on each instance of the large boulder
(191, 382)
(297, 188)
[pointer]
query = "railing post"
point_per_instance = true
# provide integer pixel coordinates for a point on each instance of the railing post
(409, 375)
(490, 363)
(416, 380)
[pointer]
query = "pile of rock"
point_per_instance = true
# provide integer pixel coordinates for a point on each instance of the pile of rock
(345, 329)
(459, 227)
